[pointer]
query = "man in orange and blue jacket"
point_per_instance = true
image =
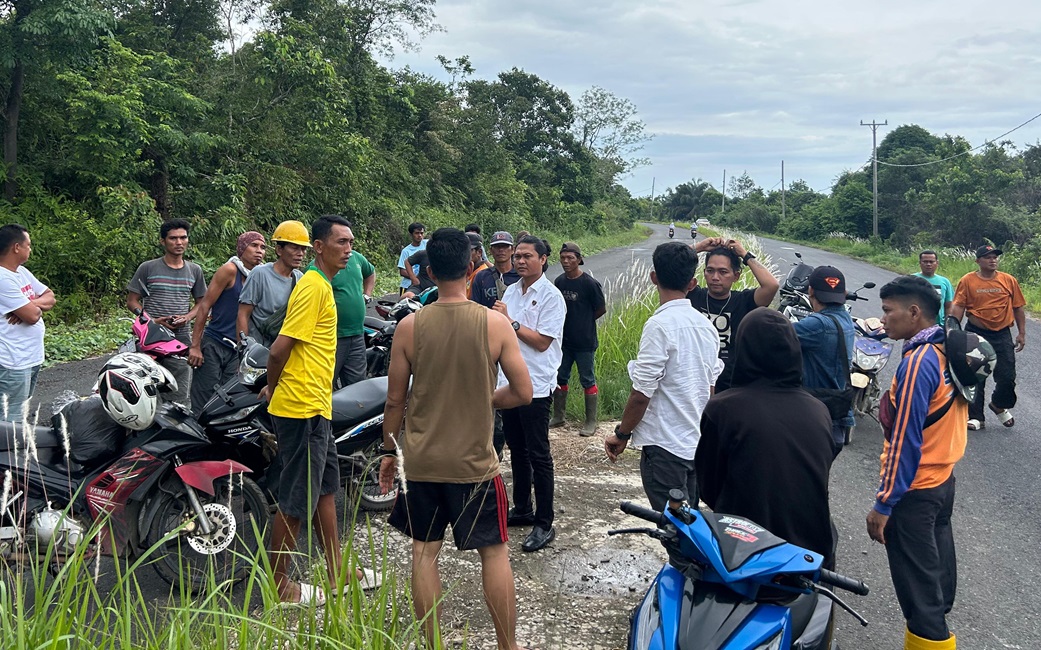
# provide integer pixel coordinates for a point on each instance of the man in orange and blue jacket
(924, 422)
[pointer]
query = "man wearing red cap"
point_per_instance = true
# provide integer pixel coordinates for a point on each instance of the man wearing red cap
(992, 300)
(212, 352)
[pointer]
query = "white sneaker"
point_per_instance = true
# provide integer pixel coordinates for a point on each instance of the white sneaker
(370, 579)
(974, 425)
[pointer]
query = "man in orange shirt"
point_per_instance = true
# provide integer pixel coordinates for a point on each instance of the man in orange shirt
(478, 259)
(993, 301)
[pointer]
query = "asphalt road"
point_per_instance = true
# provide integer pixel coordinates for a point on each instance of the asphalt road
(997, 513)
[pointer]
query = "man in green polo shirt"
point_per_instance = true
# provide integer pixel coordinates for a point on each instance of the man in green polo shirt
(352, 290)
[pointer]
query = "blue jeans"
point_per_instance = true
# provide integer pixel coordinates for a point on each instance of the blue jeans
(18, 386)
(585, 367)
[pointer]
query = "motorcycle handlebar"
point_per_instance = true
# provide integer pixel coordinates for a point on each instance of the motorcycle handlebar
(630, 508)
(843, 582)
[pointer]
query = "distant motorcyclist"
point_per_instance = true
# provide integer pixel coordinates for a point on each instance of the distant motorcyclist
(672, 230)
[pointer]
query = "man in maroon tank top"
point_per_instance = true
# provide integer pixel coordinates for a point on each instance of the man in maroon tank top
(451, 470)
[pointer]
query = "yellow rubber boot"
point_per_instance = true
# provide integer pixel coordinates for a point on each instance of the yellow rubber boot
(912, 642)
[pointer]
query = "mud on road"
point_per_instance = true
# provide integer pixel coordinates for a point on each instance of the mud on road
(577, 592)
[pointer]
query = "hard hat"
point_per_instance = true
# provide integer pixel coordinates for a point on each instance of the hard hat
(291, 232)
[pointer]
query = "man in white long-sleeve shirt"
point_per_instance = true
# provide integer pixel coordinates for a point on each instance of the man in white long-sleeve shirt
(672, 375)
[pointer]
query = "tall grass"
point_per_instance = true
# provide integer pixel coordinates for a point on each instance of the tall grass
(69, 610)
(632, 299)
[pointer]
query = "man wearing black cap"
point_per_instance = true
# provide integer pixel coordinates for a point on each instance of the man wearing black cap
(584, 297)
(992, 300)
(823, 364)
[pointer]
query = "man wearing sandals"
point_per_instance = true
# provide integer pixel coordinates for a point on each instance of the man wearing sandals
(299, 389)
(992, 300)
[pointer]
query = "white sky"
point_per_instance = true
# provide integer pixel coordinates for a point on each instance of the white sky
(741, 85)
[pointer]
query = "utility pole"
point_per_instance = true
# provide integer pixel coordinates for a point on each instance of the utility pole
(874, 169)
(724, 208)
(782, 190)
(650, 208)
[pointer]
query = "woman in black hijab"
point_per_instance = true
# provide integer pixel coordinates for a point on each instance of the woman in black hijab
(765, 450)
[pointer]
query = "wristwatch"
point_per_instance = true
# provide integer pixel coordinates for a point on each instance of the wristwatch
(516, 326)
(618, 433)
(748, 256)
(383, 451)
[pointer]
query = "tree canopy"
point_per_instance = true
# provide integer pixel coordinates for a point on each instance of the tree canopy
(121, 115)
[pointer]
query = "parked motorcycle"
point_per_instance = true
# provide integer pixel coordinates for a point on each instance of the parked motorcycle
(238, 420)
(166, 487)
(870, 354)
(732, 585)
(379, 334)
(151, 338)
(795, 297)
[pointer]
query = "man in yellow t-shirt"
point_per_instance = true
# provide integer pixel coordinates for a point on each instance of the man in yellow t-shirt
(993, 301)
(299, 389)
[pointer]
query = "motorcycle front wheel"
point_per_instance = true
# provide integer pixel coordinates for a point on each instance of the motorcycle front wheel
(363, 484)
(239, 516)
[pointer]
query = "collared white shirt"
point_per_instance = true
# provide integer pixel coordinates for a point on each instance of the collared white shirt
(677, 365)
(540, 308)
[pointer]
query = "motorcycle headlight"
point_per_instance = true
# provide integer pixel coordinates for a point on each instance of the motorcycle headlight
(240, 414)
(772, 644)
(869, 362)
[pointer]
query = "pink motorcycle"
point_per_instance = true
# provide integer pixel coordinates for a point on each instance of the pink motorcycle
(152, 338)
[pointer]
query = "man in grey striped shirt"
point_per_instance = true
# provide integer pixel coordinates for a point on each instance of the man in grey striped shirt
(166, 288)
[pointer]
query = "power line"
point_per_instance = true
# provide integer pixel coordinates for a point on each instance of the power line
(964, 153)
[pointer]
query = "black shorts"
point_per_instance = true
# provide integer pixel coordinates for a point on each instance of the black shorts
(477, 512)
(309, 467)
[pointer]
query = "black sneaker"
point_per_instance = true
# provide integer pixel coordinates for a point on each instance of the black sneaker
(514, 518)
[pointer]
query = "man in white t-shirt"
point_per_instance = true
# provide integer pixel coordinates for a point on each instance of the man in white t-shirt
(536, 310)
(672, 375)
(23, 299)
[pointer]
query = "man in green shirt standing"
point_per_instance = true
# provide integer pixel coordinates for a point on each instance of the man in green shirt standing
(352, 290)
(928, 262)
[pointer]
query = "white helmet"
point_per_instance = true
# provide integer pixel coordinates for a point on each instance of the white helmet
(129, 385)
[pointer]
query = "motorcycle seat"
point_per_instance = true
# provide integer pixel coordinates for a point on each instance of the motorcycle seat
(359, 402)
(377, 324)
(10, 432)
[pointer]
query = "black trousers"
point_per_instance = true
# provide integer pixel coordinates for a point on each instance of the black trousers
(527, 435)
(922, 562)
(662, 471)
(1004, 396)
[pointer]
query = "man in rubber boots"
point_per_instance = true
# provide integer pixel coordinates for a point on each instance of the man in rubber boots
(585, 305)
(912, 511)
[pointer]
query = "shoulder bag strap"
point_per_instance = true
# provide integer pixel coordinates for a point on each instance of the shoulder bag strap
(842, 345)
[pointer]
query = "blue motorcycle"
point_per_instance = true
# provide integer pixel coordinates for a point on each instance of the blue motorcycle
(730, 584)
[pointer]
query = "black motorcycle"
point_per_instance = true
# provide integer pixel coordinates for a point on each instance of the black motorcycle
(167, 487)
(236, 419)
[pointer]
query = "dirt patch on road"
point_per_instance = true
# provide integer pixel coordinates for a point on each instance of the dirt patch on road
(577, 592)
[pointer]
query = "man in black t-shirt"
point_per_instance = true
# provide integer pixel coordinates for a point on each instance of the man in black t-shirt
(420, 281)
(585, 304)
(725, 308)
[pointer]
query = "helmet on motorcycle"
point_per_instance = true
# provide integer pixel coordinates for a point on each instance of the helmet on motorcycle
(971, 359)
(129, 386)
(291, 232)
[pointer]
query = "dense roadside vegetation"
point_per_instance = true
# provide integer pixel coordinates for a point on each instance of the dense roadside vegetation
(120, 115)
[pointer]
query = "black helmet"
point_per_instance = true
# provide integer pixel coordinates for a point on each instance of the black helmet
(971, 359)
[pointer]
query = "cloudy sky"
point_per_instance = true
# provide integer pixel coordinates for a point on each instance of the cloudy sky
(741, 85)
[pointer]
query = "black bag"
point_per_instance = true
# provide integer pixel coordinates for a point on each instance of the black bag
(93, 435)
(838, 400)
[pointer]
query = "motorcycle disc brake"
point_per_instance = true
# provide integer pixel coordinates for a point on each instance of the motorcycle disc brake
(223, 521)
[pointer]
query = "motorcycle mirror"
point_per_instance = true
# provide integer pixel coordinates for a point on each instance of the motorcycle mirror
(798, 254)
(869, 285)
